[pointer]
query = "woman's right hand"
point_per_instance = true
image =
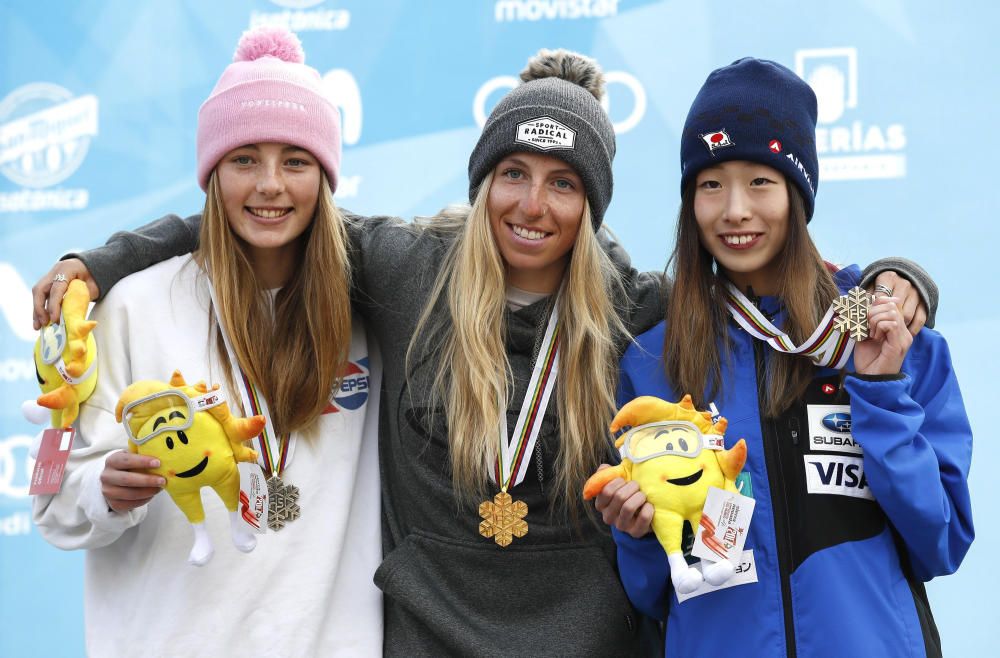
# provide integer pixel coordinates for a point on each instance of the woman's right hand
(622, 505)
(47, 293)
(124, 484)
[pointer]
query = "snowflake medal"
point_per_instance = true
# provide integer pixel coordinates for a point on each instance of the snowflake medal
(282, 503)
(503, 519)
(851, 313)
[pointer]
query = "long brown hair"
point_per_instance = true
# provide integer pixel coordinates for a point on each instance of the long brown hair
(697, 340)
(473, 376)
(295, 352)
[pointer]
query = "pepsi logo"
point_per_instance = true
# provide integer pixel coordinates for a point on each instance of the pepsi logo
(353, 391)
(838, 422)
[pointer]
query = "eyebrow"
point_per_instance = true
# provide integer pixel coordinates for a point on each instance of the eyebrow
(159, 421)
(557, 172)
(176, 414)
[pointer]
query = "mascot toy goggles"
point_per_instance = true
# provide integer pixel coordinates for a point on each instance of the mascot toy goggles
(668, 437)
(177, 420)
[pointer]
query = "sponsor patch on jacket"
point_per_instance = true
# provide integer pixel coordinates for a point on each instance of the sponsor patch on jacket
(830, 429)
(546, 133)
(838, 475)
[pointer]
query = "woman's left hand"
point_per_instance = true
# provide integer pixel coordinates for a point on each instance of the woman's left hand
(910, 304)
(888, 340)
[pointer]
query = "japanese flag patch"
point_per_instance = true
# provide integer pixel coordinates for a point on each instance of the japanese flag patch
(716, 140)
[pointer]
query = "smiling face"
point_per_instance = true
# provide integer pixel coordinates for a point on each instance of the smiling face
(270, 192)
(535, 205)
(191, 457)
(742, 212)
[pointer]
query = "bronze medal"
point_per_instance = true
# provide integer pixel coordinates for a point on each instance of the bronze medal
(283, 503)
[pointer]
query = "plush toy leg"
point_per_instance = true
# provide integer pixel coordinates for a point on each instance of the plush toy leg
(685, 579)
(202, 550)
(717, 573)
(244, 539)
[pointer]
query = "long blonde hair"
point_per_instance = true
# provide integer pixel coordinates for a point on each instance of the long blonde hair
(473, 377)
(295, 352)
(696, 339)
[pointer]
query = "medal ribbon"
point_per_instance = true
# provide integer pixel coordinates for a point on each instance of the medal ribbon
(274, 451)
(511, 465)
(826, 347)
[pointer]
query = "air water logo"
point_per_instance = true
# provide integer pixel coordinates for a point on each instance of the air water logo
(617, 84)
(548, 10)
(16, 465)
(353, 392)
(346, 96)
(45, 132)
(849, 148)
(302, 16)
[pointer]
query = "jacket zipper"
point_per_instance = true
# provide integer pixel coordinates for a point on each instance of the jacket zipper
(779, 502)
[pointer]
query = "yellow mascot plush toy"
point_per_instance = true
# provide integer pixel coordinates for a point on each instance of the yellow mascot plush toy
(198, 441)
(66, 360)
(674, 453)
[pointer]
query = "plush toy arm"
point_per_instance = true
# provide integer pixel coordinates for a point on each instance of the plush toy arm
(595, 484)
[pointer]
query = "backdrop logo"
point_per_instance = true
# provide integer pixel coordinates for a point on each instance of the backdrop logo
(617, 85)
(542, 10)
(300, 16)
(45, 133)
(346, 96)
(16, 465)
(353, 391)
(849, 148)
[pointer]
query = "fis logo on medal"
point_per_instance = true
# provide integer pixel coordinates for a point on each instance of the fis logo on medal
(716, 140)
(353, 391)
(849, 148)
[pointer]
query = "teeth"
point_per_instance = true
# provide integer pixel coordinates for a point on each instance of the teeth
(267, 213)
(738, 239)
(527, 233)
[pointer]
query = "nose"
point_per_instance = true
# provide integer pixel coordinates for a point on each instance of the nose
(534, 202)
(270, 181)
(738, 207)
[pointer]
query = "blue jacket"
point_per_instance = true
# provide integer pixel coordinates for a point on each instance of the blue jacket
(849, 518)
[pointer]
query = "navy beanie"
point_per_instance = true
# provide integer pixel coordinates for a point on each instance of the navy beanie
(756, 110)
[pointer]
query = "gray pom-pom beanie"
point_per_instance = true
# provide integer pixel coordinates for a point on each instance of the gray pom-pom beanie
(555, 111)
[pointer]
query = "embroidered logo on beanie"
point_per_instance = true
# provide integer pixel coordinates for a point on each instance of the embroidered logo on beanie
(545, 133)
(716, 140)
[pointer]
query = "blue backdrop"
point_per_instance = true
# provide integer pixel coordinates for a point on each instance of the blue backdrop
(98, 102)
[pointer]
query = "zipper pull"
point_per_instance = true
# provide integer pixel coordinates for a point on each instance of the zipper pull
(793, 428)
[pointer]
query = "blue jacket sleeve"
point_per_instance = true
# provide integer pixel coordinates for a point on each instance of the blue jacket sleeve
(645, 574)
(917, 445)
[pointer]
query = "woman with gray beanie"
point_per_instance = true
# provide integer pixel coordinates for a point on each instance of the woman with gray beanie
(500, 325)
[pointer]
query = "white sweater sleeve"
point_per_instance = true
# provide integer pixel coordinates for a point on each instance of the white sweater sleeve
(78, 516)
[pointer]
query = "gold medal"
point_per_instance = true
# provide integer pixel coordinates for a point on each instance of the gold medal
(503, 519)
(852, 313)
(282, 503)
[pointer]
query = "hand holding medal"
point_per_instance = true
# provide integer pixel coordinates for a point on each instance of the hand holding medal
(888, 338)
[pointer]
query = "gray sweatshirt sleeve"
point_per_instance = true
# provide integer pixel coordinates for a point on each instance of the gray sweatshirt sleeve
(913, 273)
(128, 252)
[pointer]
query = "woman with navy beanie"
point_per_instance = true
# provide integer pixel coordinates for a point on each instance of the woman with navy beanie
(857, 462)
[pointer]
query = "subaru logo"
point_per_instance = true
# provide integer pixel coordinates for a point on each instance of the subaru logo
(838, 422)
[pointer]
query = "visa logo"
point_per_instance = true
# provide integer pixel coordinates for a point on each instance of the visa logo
(837, 475)
(837, 422)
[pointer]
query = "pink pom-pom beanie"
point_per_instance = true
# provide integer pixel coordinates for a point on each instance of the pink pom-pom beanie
(268, 94)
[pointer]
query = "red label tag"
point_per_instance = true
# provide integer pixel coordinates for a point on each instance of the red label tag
(50, 465)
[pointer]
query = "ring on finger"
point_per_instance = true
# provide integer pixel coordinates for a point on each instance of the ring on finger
(59, 278)
(885, 290)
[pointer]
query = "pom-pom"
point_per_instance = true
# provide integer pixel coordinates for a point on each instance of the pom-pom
(568, 65)
(269, 41)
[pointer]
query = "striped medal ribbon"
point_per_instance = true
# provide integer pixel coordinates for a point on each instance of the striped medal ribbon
(826, 347)
(503, 517)
(273, 452)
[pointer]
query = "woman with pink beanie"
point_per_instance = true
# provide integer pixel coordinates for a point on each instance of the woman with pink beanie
(263, 306)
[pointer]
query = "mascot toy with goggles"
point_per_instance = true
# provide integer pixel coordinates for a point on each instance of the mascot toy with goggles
(65, 362)
(674, 453)
(198, 441)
